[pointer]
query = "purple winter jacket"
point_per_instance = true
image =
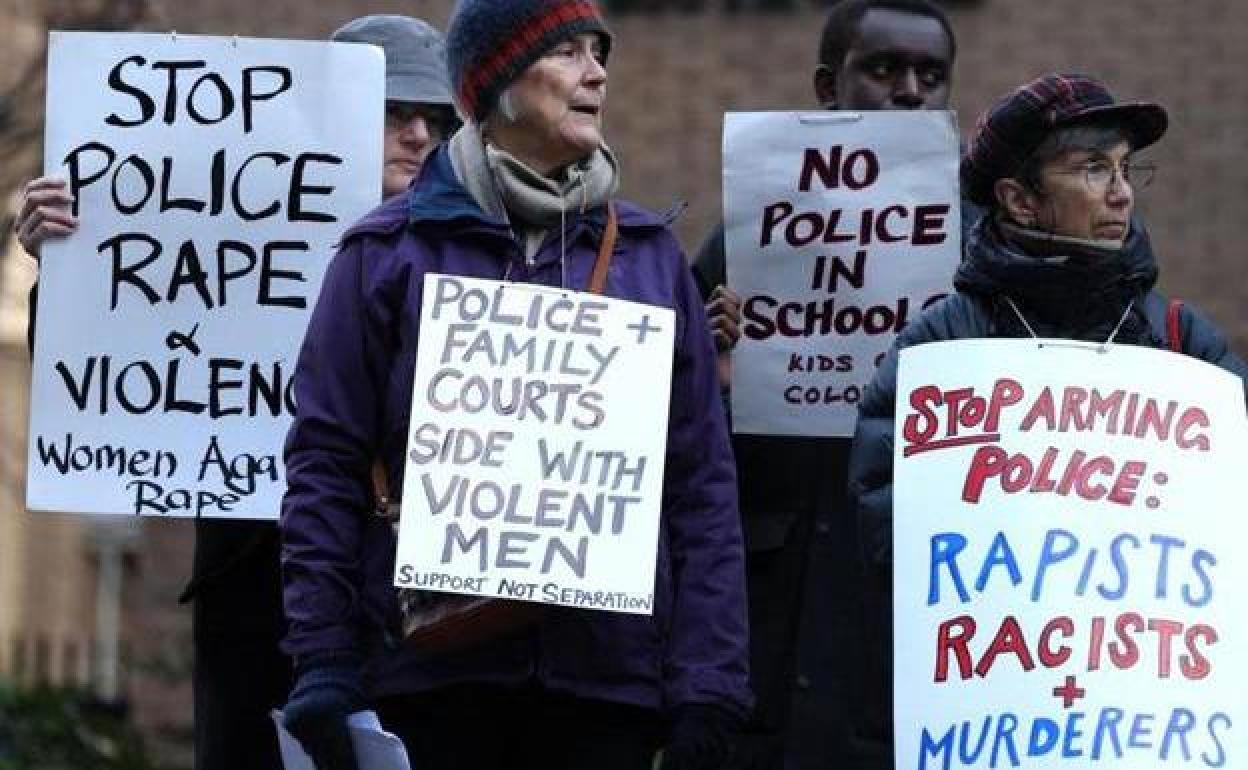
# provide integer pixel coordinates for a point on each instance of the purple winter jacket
(353, 388)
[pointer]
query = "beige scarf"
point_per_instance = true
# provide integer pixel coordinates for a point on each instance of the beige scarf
(508, 190)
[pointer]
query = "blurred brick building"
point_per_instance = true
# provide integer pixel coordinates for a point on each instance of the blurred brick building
(677, 66)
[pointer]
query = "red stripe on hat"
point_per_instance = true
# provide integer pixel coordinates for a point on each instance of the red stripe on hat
(524, 38)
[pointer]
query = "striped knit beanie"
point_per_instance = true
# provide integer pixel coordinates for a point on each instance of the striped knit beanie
(1011, 130)
(492, 42)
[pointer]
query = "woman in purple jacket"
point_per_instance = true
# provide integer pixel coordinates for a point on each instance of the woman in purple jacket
(519, 194)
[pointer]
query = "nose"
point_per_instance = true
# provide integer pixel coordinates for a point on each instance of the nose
(906, 92)
(595, 72)
(415, 131)
(1119, 191)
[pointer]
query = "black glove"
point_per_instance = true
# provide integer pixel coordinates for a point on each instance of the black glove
(326, 692)
(700, 737)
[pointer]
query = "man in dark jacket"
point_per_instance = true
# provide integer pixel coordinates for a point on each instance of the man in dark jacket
(1056, 255)
(240, 673)
(873, 55)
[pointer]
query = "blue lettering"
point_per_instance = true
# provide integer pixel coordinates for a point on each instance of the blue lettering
(1201, 559)
(1181, 723)
(1051, 554)
(942, 750)
(1109, 721)
(967, 756)
(1141, 729)
(1218, 759)
(1073, 733)
(1044, 735)
(945, 550)
(1120, 566)
(1086, 575)
(1163, 563)
(999, 554)
(1006, 726)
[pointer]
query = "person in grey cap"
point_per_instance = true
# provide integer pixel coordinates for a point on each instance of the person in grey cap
(240, 673)
(419, 111)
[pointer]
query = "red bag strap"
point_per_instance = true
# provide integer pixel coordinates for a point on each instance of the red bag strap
(1174, 332)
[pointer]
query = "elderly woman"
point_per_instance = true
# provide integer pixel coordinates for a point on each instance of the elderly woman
(1057, 255)
(520, 194)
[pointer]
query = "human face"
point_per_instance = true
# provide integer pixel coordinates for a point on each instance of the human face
(899, 61)
(1086, 194)
(411, 132)
(557, 107)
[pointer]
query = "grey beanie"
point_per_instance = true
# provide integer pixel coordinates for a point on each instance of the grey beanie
(415, 56)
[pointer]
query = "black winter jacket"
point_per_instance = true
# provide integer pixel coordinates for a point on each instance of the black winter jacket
(1058, 299)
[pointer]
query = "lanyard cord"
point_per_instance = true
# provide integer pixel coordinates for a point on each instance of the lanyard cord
(1104, 346)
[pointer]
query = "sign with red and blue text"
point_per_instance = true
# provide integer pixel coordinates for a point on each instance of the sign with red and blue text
(1067, 587)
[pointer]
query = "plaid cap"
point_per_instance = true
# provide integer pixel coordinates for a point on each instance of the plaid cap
(490, 43)
(415, 56)
(1010, 131)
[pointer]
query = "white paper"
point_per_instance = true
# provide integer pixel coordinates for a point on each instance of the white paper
(822, 297)
(292, 129)
(552, 496)
(1044, 491)
(375, 749)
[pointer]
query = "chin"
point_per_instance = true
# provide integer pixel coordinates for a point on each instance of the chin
(393, 185)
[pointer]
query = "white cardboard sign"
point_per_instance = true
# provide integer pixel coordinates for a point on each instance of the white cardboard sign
(536, 445)
(1068, 590)
(839, 229)
(212, 177)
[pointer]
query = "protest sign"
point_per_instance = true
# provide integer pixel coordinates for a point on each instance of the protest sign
(1066, 587)
(536, 448)
(840, 228)
(212, 177)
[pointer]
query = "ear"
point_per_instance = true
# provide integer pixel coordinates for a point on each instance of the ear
(1020, 203)
(825, 87)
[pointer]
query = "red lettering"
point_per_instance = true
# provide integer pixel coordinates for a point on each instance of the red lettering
(1124, 653)
(1049, 657)
(1193, 417)
(1005, 392)
(952, 636)
(1084, 487)
(1095, 641)
(1194, 665)
(1009, 639)
(1128, 481)
(1042, 408)
(985, 463)
(1166, 631)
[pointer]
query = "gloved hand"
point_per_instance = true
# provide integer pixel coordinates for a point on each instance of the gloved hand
(700, 737)
(327, 690)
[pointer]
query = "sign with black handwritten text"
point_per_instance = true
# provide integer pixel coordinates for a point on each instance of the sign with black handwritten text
(839, 229)
(536, 449)
(1067, 591)
(212, 177)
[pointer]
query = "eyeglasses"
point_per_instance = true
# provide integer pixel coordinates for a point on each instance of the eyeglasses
(1099, 174)
(440, 122)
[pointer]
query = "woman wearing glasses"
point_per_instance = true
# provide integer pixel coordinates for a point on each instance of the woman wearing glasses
(1056, 255)
(522, 193)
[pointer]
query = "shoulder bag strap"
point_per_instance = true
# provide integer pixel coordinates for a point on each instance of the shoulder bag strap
(1174, 330)
(598, 278)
